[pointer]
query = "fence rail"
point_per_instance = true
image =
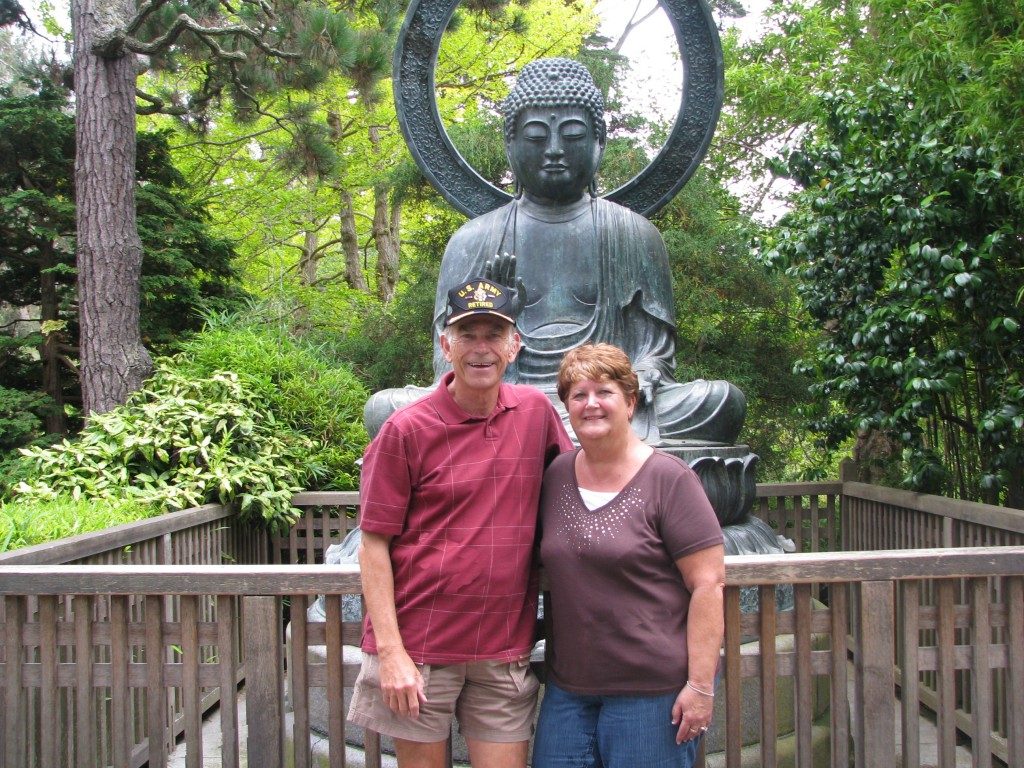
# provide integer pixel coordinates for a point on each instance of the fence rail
(156, 622)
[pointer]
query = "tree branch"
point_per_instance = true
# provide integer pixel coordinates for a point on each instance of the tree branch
(144, 12)
(208, 35)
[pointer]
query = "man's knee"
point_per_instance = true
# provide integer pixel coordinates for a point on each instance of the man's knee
(491, 754)
(417, 754)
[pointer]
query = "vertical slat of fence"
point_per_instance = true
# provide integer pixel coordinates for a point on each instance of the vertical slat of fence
(815, 520)
(14, 713)
(190, 693)
(733, 678)
(794, 522)
(804, 676)
(311, 535)
(85, 694)
(839, 694)
(227, 656)
(875, 678)
(3, 679)
(264, 678)
(48, 680)
(371, 747)
(293, 541)
(981, 677)
(833, 508)
(298, 677)
(910, 702)
(120, 745)
(769, 682)
(156, 710)
(946, 678)
(1015, 671)
(335, 683)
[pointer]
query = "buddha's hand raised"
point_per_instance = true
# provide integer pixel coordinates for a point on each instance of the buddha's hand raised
(502, 270)
(650, 378)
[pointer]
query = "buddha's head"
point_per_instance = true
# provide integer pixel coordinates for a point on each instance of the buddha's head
(554, 129)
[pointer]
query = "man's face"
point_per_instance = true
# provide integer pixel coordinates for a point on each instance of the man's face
(480, 349)
(554, 153)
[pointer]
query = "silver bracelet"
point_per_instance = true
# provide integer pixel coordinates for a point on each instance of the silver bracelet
(695, 689)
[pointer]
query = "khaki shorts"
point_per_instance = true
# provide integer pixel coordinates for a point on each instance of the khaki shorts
(493, 701)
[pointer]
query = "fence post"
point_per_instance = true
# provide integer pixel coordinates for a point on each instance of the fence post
(264, 678)
(875, 676)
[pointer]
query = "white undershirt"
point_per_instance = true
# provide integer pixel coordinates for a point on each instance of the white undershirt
(595, 499)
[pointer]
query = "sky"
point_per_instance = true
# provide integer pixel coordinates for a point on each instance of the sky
(656, 80)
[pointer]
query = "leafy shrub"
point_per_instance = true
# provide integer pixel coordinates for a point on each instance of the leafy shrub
(245, 414)
(179, 442)
(305, 391)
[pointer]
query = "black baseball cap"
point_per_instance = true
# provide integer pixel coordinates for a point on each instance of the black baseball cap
(478, 296)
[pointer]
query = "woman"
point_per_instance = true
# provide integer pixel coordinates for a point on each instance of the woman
(634, 555)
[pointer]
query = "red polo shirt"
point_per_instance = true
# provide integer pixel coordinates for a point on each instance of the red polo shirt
(459, 494)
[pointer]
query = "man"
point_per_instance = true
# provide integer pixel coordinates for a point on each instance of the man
(450, 488)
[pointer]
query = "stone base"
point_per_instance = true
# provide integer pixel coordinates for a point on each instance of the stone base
(785, 751)
(727, 473)
(785, 699)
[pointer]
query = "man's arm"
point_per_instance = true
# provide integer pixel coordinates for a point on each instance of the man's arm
(400, 681)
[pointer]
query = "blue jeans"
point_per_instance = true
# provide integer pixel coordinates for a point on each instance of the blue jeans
(578, 731)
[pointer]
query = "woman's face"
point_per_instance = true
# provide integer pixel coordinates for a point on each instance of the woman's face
(598, 409)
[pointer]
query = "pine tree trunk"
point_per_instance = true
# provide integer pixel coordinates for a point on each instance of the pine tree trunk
(350, 243)
(308, 262)
(385, 232)
(114, 362)
(386, 237)
(49, 352)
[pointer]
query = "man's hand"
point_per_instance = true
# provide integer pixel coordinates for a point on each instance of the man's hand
(401, 683)
(502, 270)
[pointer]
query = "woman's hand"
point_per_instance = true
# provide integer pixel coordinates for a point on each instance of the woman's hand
(692, 712)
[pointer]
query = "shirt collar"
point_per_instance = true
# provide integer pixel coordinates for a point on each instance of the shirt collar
(451, 413)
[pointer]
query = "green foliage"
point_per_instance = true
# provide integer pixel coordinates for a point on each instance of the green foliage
(905, 250)
(184, 267)
(306, 392)
(19, 419)
(392, 346)
(244, 415)
(735, 321)
(179, 442)
(26, 523)
(186, 270)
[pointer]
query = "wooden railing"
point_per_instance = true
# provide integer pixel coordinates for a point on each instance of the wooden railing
(170, 621)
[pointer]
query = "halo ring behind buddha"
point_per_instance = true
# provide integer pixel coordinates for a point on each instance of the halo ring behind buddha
(415, 99)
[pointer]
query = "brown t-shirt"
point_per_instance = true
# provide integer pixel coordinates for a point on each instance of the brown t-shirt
(618, 601)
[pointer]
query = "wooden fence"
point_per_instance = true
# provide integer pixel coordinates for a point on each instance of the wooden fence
(145, 633)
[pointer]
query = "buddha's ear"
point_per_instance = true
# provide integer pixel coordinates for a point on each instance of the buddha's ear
(599, 151)
(602, 130)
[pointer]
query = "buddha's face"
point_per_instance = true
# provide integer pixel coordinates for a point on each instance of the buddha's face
(554, 153)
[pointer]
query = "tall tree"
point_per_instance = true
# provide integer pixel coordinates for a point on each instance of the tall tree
(903, 238)
(336, 167)
(183, 271)
(232, 46)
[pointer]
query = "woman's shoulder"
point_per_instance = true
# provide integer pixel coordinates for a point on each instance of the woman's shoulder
(563, 462)
(667, 462)
(669, 467)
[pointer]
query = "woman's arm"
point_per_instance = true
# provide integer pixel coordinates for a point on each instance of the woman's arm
(704, 576)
